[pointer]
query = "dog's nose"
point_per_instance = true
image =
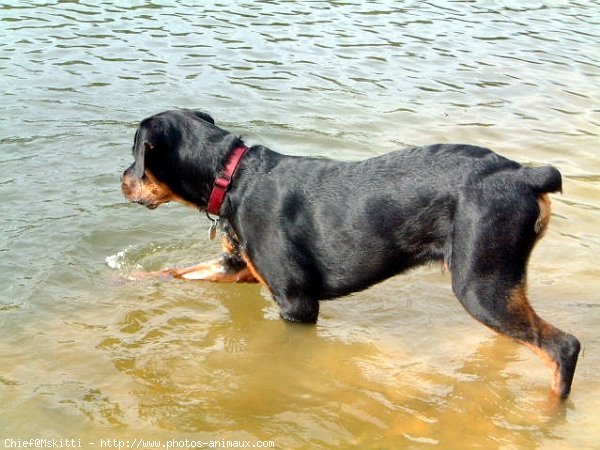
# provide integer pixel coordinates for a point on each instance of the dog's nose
(127, 172)
(125, 187)
(127, 183)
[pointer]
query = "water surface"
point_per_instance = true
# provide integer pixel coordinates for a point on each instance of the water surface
(84, 355)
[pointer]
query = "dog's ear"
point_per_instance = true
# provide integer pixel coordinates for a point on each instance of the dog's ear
(139, 150)
(147, 137)
(204, 116)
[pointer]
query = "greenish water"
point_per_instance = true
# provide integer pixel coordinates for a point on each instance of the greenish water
(86, 356)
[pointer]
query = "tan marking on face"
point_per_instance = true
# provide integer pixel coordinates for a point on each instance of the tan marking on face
(148, 191)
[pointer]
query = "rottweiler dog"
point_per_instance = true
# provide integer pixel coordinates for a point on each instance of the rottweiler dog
(313, 229)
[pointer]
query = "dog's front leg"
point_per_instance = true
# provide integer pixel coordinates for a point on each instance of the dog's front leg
(226, 269)
(298, 309)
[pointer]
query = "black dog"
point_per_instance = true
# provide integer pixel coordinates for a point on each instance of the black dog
(314, 229)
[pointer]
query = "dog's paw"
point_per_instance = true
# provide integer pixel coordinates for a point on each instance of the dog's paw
(164, 274)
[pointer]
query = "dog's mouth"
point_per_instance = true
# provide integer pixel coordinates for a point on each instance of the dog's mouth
(134, 197)
(147, 193)
(147, 204)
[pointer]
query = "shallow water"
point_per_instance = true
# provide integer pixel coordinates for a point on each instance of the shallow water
(86, 356)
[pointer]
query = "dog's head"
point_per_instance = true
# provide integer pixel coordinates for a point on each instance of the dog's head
(177, 156)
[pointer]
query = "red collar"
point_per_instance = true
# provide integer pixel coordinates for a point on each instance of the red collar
(223, 182)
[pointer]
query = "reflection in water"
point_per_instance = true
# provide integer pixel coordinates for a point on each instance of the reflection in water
(401, 365)
(228, 370)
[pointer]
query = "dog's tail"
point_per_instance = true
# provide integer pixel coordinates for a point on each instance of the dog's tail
(543, 179)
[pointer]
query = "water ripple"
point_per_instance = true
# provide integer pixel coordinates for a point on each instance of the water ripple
(342, 79)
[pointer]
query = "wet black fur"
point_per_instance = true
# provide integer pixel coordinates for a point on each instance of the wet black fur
(316, 229)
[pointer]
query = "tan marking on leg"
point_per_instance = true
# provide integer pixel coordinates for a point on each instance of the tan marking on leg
(216, 272)
(519, 304)
(254, 272)
(227, 245)
(542, 221)
(209, 271)
(445, 267)
(551, 363)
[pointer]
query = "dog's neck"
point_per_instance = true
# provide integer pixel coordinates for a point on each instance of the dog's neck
(223, 181)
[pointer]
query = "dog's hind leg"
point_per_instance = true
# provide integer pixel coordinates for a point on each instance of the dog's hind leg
(489, 261)
(508, 312)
